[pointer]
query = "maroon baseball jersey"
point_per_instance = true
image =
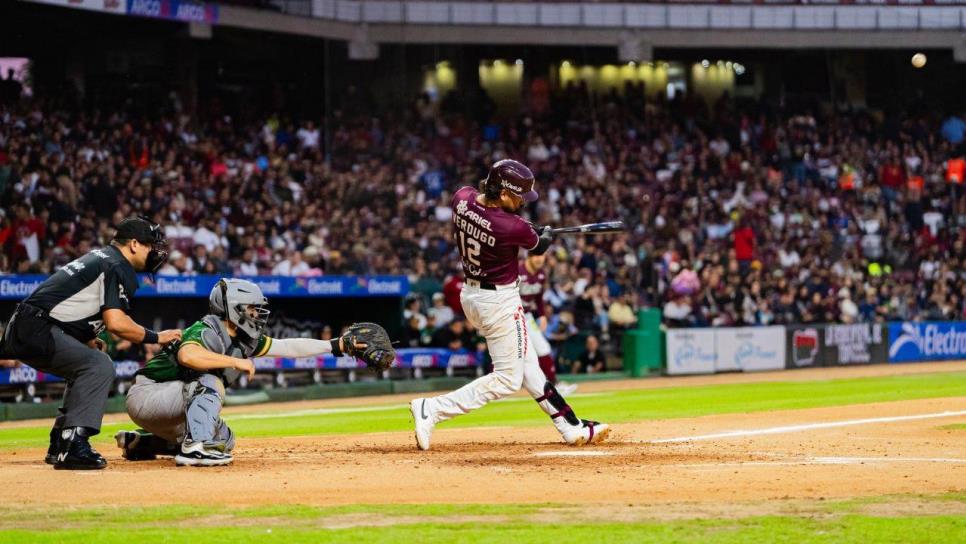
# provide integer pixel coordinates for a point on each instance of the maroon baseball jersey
(531, 289)
(489, 239)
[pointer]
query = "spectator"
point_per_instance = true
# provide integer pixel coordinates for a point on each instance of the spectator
(453, 337)
(412, 333)
(954, 129)
(442, 313)
(308, 136)
(677, 312)
(412, 311)
(292, 266)
(592, 359)
(428, 332)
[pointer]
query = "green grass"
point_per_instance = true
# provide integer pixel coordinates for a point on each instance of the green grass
(613, 407)
(954, 427)
(448, 523)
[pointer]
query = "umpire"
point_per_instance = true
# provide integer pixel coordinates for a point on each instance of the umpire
(54, 331)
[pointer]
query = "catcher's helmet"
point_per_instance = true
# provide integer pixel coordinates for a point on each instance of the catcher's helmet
(242, 303)
(513, 176)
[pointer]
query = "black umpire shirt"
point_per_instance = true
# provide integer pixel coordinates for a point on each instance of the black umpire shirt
(76, 296)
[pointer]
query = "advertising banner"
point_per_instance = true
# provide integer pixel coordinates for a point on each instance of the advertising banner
(18, 287)
(930, 341)
(186, 11)
(108, 6)
(803, 346)
(748, 349)
(690, 351)
(858, 343)
(405, 358)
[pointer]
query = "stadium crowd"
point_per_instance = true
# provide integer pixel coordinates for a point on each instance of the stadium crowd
(739, 213)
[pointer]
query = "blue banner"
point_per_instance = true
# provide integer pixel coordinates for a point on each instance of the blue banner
(18, 287)
(405, 358)
(175, 10)
(930, 341)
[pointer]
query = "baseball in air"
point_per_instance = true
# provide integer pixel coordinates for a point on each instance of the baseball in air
(919, 60)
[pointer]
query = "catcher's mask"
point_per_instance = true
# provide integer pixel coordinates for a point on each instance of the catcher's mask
(240, 302)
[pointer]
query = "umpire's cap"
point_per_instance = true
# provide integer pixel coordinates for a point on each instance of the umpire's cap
(140, 229)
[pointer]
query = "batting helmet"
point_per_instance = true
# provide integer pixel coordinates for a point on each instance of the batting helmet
(513, 176)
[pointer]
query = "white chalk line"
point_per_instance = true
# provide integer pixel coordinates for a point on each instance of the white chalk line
(803, 427)
(825, 461)
(364, 409)
(576, 453)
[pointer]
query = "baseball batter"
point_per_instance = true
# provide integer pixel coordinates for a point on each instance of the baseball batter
(489, 235)
(533, 282)
(177, 397)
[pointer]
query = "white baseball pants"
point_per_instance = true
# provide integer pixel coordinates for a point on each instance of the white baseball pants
(500, 318)
(539, 341)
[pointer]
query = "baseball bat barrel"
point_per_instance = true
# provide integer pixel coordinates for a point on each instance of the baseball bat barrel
(593, 228)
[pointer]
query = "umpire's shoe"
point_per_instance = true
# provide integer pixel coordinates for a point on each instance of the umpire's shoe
(51, 456)
(74, 451)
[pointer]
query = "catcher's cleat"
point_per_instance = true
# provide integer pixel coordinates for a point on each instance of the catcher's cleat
(197, 455)
(138, 446)
(589, 432)
(424, 422)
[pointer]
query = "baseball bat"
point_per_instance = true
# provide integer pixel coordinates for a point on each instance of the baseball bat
(607, 227)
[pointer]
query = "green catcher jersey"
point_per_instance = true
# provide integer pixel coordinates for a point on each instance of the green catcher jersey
(208, 333)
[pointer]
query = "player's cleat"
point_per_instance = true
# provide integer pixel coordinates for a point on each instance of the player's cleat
(74, 451)
(197, 455)
(51, 456)
(424, 422)
(135, 446)
(588, 432)
(566, 389)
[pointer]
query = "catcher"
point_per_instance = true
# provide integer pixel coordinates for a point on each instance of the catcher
(177, 397)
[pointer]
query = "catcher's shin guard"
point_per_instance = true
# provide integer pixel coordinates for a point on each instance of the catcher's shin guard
(203, 410)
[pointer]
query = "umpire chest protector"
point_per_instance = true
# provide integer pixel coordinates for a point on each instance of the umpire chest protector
(76, 295)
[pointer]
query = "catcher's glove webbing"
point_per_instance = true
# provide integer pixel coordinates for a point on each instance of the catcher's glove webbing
(369, 342)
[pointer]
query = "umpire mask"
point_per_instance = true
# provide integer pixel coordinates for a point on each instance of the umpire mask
(240, 302)
(144, 231)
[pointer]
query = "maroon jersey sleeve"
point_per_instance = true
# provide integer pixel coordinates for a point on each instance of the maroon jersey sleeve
(522, 234)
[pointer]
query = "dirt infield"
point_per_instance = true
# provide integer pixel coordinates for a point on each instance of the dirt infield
(529, 465)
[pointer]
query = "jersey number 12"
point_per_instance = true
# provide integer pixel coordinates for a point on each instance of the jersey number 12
(470, 248)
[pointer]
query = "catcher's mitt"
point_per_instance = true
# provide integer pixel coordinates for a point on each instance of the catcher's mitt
(369, 342)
